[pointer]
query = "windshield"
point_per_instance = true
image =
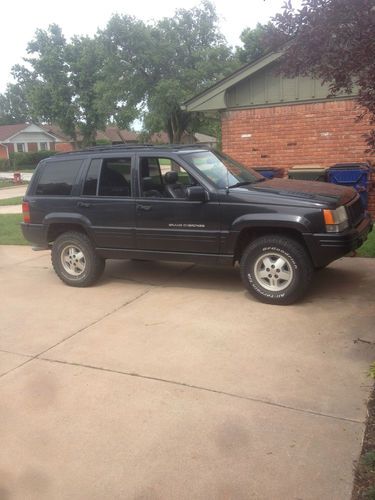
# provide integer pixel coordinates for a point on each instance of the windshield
(221, 170)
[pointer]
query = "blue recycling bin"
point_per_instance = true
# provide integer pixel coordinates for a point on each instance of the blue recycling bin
(356, 175)
(270, 172)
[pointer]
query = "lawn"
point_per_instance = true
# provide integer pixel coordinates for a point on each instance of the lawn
(368, 249)
(5, 183)
(17, 200)
(10, 231)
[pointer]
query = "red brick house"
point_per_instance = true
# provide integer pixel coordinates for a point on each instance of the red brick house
(26, 138)
(270, 120)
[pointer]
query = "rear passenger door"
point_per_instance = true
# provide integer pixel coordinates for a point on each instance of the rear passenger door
(107, 201)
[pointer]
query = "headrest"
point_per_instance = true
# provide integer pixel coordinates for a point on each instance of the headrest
(147, 183)
(171, 177)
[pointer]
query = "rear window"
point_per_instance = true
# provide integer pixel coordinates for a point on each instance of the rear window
(58, 178)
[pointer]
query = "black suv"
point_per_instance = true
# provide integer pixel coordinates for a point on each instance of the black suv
(188, 204)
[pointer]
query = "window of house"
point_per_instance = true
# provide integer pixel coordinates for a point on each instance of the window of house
(58, 178)
(43, 146)
(20, 147)
(110, 177)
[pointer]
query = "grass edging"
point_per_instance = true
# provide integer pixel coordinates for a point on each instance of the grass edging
(10, 230)
(364, 475)
(6, 202)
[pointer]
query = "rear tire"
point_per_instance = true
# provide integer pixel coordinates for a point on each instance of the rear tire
(75, 261)
(276, 269)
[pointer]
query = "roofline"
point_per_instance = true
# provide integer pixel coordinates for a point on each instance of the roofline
(28, 125)
(230, 80)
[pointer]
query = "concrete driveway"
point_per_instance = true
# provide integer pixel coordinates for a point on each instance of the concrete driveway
(167, 381)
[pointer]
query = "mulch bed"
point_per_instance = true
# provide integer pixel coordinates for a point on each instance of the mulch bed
(364, 478)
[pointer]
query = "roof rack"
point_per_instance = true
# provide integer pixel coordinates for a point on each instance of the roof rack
(128, 147)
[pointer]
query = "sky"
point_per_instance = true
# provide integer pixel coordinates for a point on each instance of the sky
(79, 17)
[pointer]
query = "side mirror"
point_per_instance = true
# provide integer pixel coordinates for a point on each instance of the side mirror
(197, 193)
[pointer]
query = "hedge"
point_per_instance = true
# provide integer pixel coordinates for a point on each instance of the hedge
(29, 159)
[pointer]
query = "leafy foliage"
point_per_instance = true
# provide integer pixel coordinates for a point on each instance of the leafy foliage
(332, 40)
(160, 65)
(255, 43)
(13, 106)
(63, 84)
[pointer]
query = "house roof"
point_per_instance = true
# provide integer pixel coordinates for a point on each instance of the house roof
(56, 130)
(213, 98)
(7, 131)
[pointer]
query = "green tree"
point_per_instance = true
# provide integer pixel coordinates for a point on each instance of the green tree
(13, 106)
(164, 63)
(332, 40)
(62, 83)
(255, 43)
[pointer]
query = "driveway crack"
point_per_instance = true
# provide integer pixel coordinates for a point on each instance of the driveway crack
(98, 320)
(207, 389)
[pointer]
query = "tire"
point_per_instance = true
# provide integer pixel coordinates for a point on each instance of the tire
(75, 261)
(276, 269)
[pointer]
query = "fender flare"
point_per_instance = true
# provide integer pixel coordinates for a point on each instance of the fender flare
(67, 218)
(282, 221)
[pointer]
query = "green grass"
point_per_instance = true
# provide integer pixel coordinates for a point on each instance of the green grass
(17, 200)
(10, 230)
(368, 248)
(6, 183)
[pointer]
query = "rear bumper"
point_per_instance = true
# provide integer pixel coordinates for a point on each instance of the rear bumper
(35, 234)
(327, 247)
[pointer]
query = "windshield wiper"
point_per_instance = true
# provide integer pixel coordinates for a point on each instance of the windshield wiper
(243, 183)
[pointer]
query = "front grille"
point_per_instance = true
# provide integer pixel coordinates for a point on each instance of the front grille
(356, 212)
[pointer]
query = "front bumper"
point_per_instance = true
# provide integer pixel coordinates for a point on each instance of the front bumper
(327, 247)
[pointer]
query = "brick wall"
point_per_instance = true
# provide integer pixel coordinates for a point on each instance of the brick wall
(299, 134)
(62, 147)
(3, 152)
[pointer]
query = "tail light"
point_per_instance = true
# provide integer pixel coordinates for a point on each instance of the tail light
(26, 211)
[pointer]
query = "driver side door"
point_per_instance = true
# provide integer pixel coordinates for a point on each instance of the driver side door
(167, 224)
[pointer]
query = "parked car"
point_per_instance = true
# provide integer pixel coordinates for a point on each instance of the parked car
(187, 203)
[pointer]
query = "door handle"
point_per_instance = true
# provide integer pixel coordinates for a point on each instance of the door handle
(83, 205)
(144, 208)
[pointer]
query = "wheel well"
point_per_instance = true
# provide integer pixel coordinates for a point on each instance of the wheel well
(248, 235)
(56, 229)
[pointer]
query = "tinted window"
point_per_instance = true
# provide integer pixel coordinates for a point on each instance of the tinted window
(91, 182)
(115, 177)
(58, 178)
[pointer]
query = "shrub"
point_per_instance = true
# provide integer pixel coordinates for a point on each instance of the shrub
(4, 165)
(29, 159)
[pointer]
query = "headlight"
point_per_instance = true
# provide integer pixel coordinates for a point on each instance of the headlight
(336, 220)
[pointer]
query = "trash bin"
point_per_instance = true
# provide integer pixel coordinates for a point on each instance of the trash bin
(17, 178)
(356, 175)
(308, 173)
(270, 172)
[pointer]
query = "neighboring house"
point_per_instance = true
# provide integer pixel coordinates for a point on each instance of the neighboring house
(271, 120)
(25, 138)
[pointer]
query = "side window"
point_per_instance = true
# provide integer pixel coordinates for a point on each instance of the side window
(163, 178)
(115, 177)
(58, 178)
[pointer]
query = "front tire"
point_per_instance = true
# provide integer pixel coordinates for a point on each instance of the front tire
(75, 261)
(276, 269)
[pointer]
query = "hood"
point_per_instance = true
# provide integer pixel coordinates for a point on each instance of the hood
(322, 192)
